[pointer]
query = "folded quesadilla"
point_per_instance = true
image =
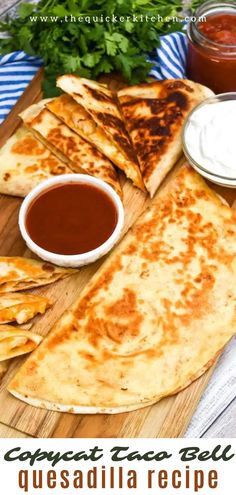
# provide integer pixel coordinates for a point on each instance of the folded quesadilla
(21, 307)
(25, 162)
(154, 115)
(79, 155)
(15, 342)
(152, 319)
(22, 273)
(102, 106)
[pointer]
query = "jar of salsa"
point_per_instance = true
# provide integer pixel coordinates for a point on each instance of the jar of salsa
(211, 58)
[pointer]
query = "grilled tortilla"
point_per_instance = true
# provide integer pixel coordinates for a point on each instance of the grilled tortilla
(152, 319)
(22, 273)
(21, 307)
(154, 115)
(15, 342)
(25, 162)
(79, 155)
(102, 106)
(81, 122)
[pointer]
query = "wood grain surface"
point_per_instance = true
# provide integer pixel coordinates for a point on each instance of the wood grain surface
(168, 418)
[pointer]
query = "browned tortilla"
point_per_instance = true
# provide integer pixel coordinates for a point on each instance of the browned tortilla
(102, 106)
(154, 115)
(152, 319)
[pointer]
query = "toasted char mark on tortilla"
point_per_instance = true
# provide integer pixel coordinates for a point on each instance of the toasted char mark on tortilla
(25, 162)
(180, 85)
(157, 317)
(154, 115)
(72, 114)
(28, 146)
(103, 107)
(118, 134)
(98, 94)
(159, 130)
(77, 153)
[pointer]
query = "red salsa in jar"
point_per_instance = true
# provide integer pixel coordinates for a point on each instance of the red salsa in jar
(220, 28)
(212, 47)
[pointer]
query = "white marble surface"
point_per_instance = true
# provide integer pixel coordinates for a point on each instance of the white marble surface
(7, 4)
(223, 421)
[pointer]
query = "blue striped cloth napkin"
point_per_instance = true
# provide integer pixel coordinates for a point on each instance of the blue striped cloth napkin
(17, 69)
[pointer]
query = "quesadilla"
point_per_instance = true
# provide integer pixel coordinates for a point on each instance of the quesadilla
(22, 273)
(15, 342)
(102, 106)
(154, 115)
(21, 307)
(79, 155)
(4, 365)
(25, 162)
(154, 316)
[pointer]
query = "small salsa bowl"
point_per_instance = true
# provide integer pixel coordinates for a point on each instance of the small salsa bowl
(72, 260)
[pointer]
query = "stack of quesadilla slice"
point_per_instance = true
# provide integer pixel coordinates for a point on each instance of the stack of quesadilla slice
(98, 108)
(153, 114)
(90, 129)
(68, 146)
(17, 274)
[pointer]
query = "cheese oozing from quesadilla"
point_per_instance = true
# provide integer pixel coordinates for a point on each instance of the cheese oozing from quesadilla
(22, 273)
(25, 162)
(154, 115)
(152, 319)
(21, 307)
(102, 106)
(77, 153)
(16, 342)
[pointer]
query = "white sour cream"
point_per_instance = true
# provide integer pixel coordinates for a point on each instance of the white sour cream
(210, 137)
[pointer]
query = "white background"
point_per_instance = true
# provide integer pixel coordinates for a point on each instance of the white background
(9, 470)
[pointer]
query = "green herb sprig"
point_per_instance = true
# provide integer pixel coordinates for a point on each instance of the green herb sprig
(90, 49)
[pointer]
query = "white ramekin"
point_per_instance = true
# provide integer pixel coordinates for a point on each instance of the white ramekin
(75, 260)
(221, 180)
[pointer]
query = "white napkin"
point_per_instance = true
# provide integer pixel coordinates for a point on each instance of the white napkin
(219, 393)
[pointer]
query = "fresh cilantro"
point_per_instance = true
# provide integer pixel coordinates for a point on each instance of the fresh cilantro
(91, 48)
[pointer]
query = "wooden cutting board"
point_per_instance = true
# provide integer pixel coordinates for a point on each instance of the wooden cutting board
(168, 418)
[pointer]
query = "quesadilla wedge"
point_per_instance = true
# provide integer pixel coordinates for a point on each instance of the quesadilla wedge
(102, 106)
(21, 307)
(25, 162)
(15, 342)
(22, 273)
(152, 319)
(79, 155)
(154, 115)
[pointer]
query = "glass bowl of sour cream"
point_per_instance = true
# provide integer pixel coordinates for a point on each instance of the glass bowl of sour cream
(209, 139)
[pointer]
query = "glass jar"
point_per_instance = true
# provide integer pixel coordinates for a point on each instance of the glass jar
(211, 62)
